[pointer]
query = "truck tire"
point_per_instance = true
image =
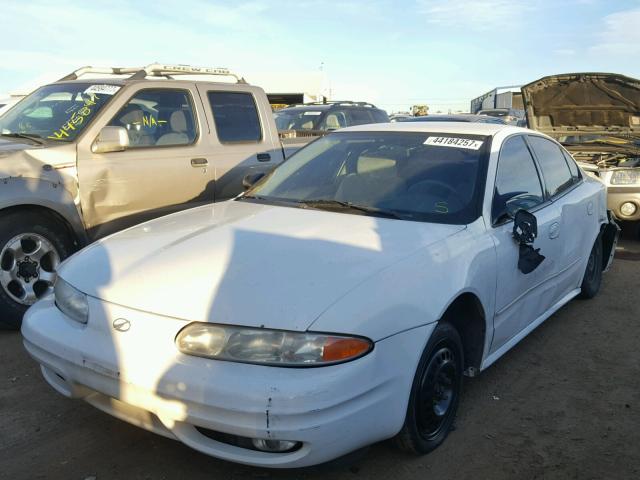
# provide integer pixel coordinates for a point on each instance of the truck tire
(32, 244)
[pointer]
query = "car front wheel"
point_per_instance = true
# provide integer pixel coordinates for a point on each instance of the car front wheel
(32, 245)
(435, 393)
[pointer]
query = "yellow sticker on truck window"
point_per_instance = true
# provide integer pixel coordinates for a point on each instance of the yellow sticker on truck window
(455, 142)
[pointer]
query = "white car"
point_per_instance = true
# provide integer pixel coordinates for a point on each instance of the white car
(335, 304)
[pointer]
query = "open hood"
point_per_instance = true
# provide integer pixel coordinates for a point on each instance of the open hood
(589, 103)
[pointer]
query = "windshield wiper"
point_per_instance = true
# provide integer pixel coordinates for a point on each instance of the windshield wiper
(322, 204)
(29, 136)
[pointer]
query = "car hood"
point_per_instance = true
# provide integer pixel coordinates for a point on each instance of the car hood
(245, 263)
(594, 103)
(7, 147)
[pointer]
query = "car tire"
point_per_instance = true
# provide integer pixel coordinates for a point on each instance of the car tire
(32, 244)
(435, 393)
(593, 274)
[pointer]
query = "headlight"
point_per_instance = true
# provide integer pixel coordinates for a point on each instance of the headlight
(625, 177)
(269, 347)
(71, 302)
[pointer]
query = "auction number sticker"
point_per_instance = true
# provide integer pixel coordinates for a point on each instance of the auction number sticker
(103, 89)
(455, 142)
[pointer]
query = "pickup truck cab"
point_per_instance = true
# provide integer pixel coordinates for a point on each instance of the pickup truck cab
(80, 159)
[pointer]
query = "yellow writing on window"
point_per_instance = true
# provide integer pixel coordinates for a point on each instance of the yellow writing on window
(150, 121)
(77, 118)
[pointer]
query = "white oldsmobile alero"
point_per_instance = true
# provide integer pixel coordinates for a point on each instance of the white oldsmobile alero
(338, 302)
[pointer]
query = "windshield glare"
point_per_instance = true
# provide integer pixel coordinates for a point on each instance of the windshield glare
(408, 173)
(57, 112)
(298, 119)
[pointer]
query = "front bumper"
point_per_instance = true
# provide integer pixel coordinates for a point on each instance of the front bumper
(140, 377)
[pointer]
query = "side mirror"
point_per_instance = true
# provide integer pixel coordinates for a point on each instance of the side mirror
(251, 179)
(111, 139)
(525, 227)
(525, 231)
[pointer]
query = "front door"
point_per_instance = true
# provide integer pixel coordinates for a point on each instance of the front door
(519, 296)
(166, 167)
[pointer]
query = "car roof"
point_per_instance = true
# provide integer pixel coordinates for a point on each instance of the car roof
(469, 128)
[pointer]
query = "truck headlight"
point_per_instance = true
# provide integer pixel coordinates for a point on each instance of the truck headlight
(625, 177)
(71, 301)
(269, 347)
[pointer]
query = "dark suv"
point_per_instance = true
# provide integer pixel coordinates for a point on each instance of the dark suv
(322, 117)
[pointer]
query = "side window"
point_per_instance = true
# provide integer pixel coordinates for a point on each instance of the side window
(379, 116)
(158, 117)
(359, 117)
(335, 120)
(573, 167)
(516, 176)
(236, 116)
(556, 173)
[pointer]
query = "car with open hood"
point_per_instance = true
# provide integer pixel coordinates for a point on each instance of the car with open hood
(338, 302)
(596, 116)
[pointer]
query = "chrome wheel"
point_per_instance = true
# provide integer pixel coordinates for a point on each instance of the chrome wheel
(28, 265)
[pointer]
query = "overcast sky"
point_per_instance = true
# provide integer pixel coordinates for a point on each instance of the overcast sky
(393, 53)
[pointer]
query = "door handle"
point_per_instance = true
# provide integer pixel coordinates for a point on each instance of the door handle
(264, 157)
(199, 162)
(554, 230)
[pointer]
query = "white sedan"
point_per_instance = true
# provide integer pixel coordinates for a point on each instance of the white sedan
(338, 302)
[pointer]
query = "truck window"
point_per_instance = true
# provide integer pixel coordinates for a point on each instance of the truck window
(360, 117)
(158, 117)
(236, 117)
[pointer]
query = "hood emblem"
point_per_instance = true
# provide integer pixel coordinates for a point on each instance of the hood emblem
(121, 324)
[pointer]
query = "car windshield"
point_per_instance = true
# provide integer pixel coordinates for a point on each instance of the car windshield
(298, 119)
(422, 176)
(57, 112)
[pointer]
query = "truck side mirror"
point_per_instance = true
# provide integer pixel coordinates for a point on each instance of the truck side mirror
(525, 231)
(251, 179)
(111, 139)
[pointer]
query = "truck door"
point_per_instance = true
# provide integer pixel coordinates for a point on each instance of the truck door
(166, 167)
(241, 140)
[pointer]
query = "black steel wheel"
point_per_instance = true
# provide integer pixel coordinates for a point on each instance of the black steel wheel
(435, 393)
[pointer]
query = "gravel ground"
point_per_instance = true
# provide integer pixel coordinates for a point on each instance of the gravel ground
(564, 403)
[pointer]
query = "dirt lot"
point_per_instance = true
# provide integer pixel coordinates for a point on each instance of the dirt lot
(565, 403)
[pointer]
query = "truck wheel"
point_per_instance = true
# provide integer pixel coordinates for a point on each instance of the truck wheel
(32, 245)
(593, 274)
(435, 393)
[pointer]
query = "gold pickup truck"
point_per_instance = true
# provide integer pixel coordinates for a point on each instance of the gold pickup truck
(82, 158)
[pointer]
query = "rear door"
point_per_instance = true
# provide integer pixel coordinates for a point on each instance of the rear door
(241, 140)
(165, 169)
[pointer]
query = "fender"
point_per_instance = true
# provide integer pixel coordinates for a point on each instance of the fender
(24, 191)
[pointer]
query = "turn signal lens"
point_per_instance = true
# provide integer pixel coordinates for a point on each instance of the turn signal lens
(337, 349)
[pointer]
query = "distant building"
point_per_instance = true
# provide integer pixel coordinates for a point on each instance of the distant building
(499, 97)
(287, 88)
